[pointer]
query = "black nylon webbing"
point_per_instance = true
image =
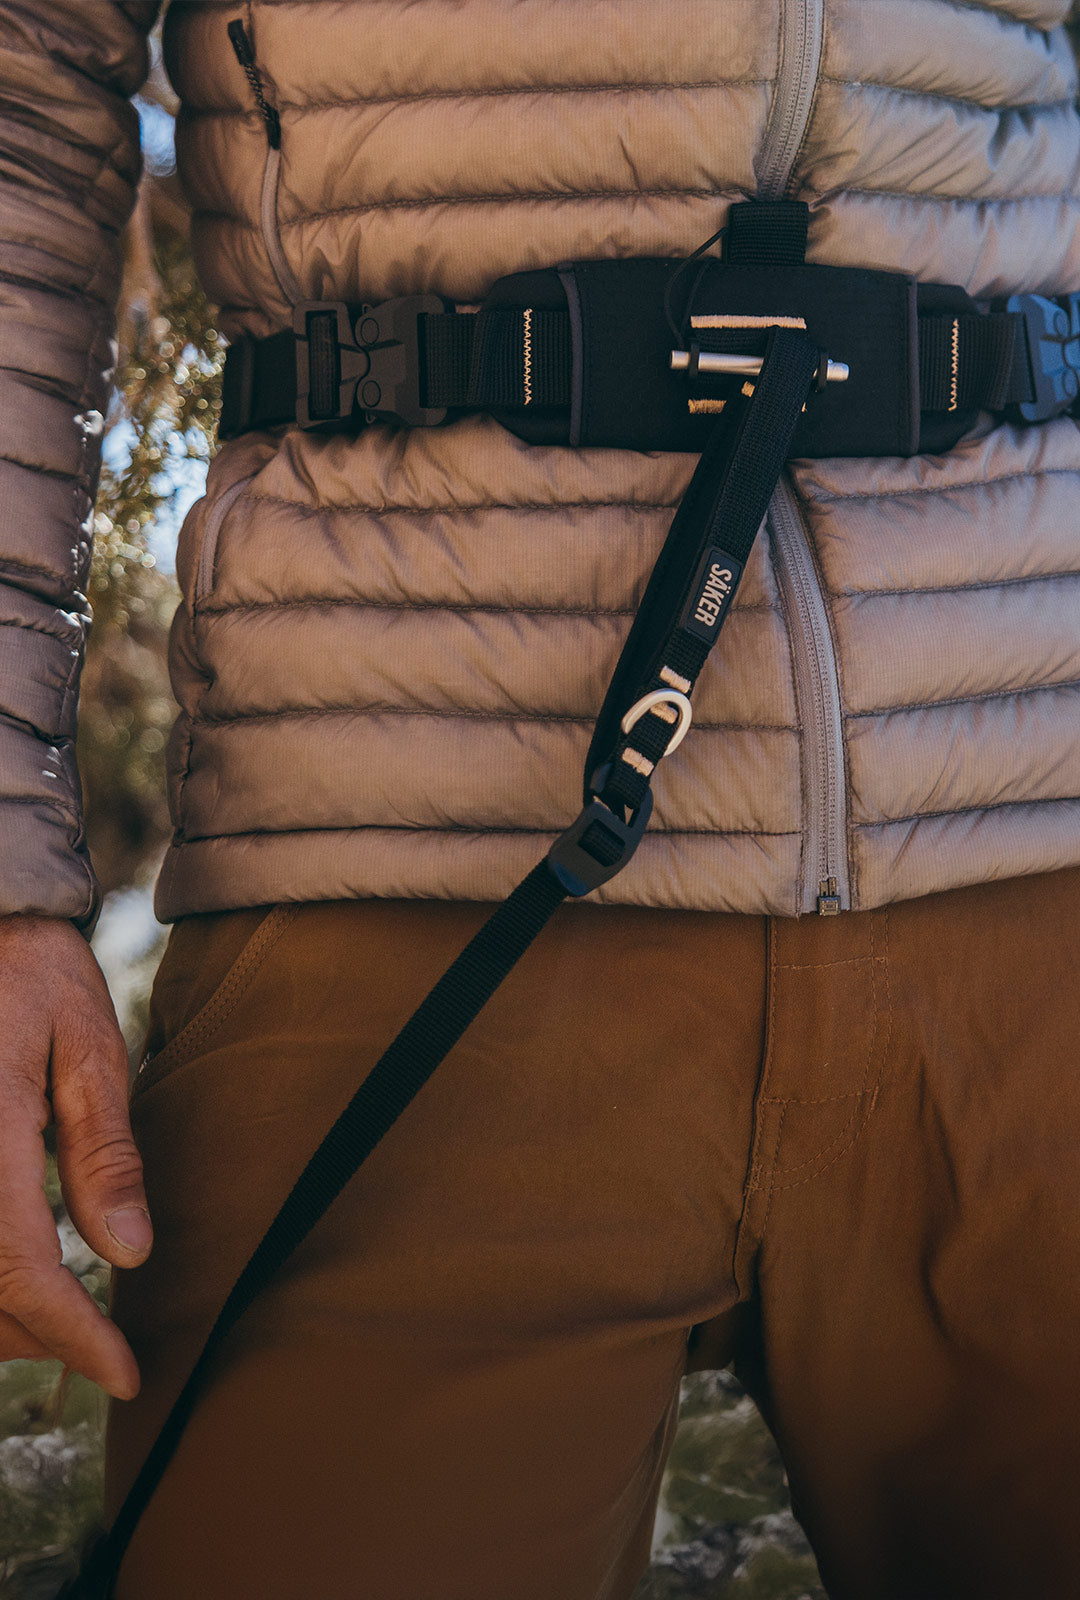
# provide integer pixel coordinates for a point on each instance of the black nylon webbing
(970, 362)
(749, 455)
(769, 233)
(740, 448)
(490, 361)
(498, 358)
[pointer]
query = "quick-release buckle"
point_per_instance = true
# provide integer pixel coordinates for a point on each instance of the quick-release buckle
(1053, 355)
(371, 367)
(598, 843)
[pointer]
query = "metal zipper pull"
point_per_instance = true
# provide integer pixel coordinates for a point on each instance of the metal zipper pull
(828, 900)
(246, 57)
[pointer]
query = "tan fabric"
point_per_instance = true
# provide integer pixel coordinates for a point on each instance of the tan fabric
(413, 633)
(838, 1147)
(391, 648)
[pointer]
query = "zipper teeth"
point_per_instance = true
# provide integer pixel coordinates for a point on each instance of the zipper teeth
(268, 200)
(245, 54)
(803, 28)
(818, 689)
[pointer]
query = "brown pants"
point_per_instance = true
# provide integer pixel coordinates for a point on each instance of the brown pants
(844, 1151)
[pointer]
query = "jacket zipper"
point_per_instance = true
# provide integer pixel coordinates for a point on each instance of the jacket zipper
(204, 570)
(268, 200)
(825, 885)
(802, 35)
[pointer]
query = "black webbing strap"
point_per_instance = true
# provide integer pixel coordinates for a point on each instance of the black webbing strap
(727, 498)
(502, 357)
(769, 233)
(495, 359)
(259, 382)
(972, 361)
(699, 568)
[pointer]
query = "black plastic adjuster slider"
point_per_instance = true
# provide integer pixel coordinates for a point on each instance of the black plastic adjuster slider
(371, 368)
(598, 844)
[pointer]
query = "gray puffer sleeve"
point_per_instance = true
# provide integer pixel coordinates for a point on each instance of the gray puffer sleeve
(69, 165)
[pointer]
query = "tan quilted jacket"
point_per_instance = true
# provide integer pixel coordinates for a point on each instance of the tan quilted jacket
(392, 647)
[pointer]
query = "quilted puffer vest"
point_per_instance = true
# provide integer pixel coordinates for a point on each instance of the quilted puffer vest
(392, 647)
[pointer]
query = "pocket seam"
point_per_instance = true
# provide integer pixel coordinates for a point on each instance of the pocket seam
(206, 1021)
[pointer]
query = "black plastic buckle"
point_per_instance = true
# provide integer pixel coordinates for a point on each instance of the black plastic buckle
(373, 368)
(1053, 355)
(570, 859)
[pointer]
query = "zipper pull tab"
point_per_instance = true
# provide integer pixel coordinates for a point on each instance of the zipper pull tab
(246, 57)
(828, 901)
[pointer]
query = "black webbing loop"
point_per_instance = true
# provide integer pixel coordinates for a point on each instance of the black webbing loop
(727, 497)
(768, 233)
(970, 361)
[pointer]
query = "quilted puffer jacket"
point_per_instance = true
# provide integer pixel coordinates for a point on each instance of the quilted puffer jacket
(392, 647)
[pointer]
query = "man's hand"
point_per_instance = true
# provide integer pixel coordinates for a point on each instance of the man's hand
(59, 1042)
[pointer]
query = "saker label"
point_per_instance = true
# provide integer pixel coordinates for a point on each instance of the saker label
(714, 589)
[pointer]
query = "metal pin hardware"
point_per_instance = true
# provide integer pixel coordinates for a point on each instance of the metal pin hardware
(713, 362)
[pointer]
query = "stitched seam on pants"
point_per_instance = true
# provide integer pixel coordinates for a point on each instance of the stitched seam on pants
(224, 998)
(870, 1096)
(857, 1094)
(820, 1100)
(820, 966)
(772, 1169)
(753, 1182)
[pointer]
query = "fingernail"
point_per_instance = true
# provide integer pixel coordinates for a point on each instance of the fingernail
(131, 1228)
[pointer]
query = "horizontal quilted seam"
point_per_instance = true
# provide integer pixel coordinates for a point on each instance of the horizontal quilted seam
(546, 836)
(361, 713)
(826, 497)
(504, 197)
(345, 102)
(932, 197)
(69, 812)
(360, 603)
(956, 588)
(45, 472)
(550, 507)
(922, 706)
(71, 636)
(963, 811)
(985, 6)
(1067, 104)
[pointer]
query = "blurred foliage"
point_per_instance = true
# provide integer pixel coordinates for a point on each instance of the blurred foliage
(160, 423)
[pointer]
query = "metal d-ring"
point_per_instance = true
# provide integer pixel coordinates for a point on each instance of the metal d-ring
(657, 697)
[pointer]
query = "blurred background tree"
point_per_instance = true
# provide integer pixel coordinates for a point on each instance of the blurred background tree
(159, 440)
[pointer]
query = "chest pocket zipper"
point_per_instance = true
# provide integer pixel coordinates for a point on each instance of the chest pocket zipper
(208, 546)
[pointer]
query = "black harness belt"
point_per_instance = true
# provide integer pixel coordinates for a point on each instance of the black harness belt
(585, 354)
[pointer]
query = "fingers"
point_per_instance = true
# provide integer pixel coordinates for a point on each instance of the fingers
(54, 1005)
(99, 1166)
(37, 1293)
(18, 1345)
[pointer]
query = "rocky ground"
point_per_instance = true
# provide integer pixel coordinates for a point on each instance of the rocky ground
(725, 1529)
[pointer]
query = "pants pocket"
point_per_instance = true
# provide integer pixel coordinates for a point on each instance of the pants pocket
(201, 978)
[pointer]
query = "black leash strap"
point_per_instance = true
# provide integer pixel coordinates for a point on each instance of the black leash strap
(645, 711)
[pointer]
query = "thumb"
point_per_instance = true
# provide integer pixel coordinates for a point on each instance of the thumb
(99, 1166)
